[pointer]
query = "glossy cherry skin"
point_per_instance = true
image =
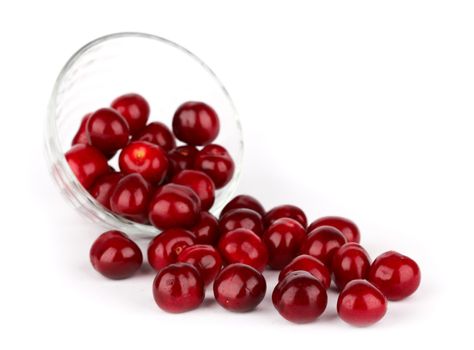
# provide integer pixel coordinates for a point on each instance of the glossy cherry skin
(396, 275)
(200, 183)
(243, 246)
(158, 134)
(178, 288)
(146, 159)
(361, 304)
(81, 136)
(206, 229)
(309, 264)
(87, 163)
(285, 211)
(115, 255)
(350, 262)
(205, 258)
(283, 239)
(196, 123)
(215, 161)
(104, 186)
(134, 109)
(241, 218)
(244, 201)
(166, 246)
(181, 158)
(348, 228)
(322, 243)
(174, 206)
(300, 297)
(239, 288)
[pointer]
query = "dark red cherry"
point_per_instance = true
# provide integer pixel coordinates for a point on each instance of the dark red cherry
(115, 255)
(181, 158)
(166, 246)
(243, 246)
(196, 123)
(146, 159)
(309, 264)
(239, 287)
(206, 229)
(361, 304)
(134, 109)
(199, 183)
(104, 186)
(244, 202)
(300, 297)
(205, 258)
(322, 243)
(283, 239)
(350, 262)
(174, 206)
(348, 228)
(241, 218)
(178, 288)
(81, 136)
(87, 163)
(396, 275)
(285, 211)
(215, 161)
(158, 134)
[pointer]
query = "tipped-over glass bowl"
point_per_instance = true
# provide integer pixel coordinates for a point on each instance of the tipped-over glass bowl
(165, 73)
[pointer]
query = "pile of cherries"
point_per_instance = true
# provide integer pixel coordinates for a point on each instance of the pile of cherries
(173, 188)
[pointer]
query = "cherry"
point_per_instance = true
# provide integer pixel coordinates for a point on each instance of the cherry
(309, 264)
(396, 275)
(243, 246)
(205, 258)
(166, 246)
(134, 109)
(144, 158)
(195, 123)
(178, 288)
(158, 134)
(174, 206)
(239, 287)
(87, 163)
(283, 239)
(350, 262)
(300, 297)
(104, 186)
(244, 202)
(115, 255)
(206, 229)
(348, 228)
(199, 183)
(215, 161)
(81, 136)
(241, 218)
(361, 304)
(181, 158)
(322, 243)
(285, 211)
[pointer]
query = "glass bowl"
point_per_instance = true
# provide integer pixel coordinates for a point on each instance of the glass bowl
(165, 73)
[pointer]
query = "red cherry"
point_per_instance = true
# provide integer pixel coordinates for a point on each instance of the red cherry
(115, 255)
(244, 202)
(146, 159)
(178, 288)
(243, 246)
(206, 229)
(134, 109)
(215, 161)
(396, 275)
(199, 183)
(283, 239)
(241, 218)
(361, 304)
(158, 134)
(165, 248)
(350, 262)
(81, 136)
(205, 258)
(87, 163)
(322, 243)
(196, 123)
(104, 186)
(174, 206)
(300, 297)
(285, 211)
(309, 264)
(239, 287)
(107, 131)
(348, 228)
(181, 158)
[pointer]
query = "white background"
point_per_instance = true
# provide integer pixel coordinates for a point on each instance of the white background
(356, 108)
